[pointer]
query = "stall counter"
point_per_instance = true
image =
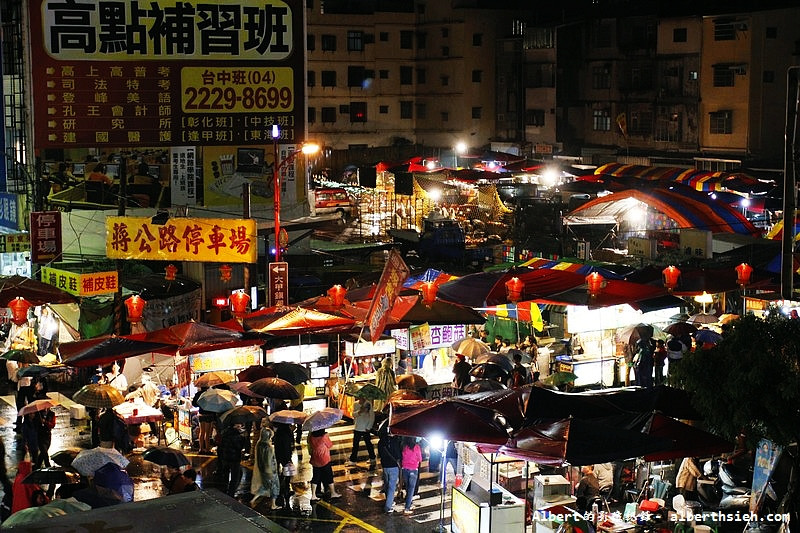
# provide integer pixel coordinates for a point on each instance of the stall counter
(473, 514)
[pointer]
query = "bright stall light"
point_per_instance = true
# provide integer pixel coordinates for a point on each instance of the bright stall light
(550, 177)
(461, 147)
(436, 441)
(636, 216)
(435, 195)
(745, 202)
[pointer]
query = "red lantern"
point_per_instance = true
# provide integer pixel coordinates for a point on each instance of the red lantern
(239, 302)
(743, 273)
(336, 294)
(19, 310)
(169, 272)
(225, 273)
(595, 283)
(429, 289)
(514, 288)
(135, 305)
(671, 275)
(220, 302)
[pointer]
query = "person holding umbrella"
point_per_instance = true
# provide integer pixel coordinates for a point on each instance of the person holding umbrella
(461, 369)
(363, 418)
(283, 444)
(319, 449)
(206, 419)
(265, 481)
(233, 441)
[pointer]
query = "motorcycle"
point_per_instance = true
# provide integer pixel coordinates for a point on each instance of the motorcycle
(724, 486)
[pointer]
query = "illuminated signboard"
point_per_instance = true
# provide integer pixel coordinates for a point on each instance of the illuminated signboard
(227, 359)
(89, 284)
(228, 240)
(163, 72)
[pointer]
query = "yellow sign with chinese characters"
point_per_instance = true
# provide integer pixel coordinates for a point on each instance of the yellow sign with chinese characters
(77, 284)
(223, 240)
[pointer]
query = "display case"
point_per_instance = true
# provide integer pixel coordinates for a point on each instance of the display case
(473, 513)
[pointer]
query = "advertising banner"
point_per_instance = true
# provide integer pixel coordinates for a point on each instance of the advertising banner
(767, 455)
(394, 274)
(45, 236)
(77, 284)
(224, 240)
(166, 73)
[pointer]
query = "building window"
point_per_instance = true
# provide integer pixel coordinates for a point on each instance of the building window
(768, 76)
(476, 112)
(641, 123)
(724, 31)
(355, 41)
(445, 81)
(445, 116)
(383, 74)
(601, 77)
(328, 43)
(421, 76)
(383, 36)
(477, 75)
(721, 122)
(477, 39)
(406, 109)
(445, 51)
(601, 120)
(406, 39)
(344, 109)
(445, 32)
(534, 117)
(328, 78)
(679, 35)
(422, 40)
(771, 32)
(311, 43)
(406, 75)
(422, 111)
(358, 111)
(383, 109)
(312, 78)
(355, 76)
(312, 115)
(693, 75)
(328, 115)
(723, 76)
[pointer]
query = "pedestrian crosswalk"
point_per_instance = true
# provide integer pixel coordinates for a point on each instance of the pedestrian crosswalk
(367, 480)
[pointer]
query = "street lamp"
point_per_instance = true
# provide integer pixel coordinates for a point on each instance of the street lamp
(461, 148)
(305, 148)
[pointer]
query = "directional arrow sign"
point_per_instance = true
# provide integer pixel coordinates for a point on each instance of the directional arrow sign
(278, 283)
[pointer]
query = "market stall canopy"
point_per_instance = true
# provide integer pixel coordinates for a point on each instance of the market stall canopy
(298, 320)
(700, 213)
(156, 286)
(105, 350)
(696, 179)
(507, 402)
(580, 268)
(450, 419)
(415, 281)
(195, 337)
(695, 281)
(36, 292)
(441, 313)
(687, 441)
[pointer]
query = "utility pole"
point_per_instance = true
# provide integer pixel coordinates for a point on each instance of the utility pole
(791, 147)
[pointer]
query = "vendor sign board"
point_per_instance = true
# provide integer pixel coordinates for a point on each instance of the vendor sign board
(227, 359)
(379, 347)
(15, 242)
(81, 284)
(45, 236)
(767, 455)
(420, 336)
(223, 240)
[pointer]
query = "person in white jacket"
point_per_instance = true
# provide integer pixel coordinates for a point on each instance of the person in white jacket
(364, 418)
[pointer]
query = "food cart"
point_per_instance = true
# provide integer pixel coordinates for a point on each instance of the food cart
(361, 354)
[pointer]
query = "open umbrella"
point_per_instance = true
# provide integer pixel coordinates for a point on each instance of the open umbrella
(488, 371)
(32, 515)
(37, 405)
(288, 416)
(87, 462)
(65, 457)
(111, 476)
(243, 414)
(471, 347)
(498, 359)
(703, 318)
(166, 456)
(21, 356)
(450, 419)
(36, 292)
(68, 506)
(368, 391)
(291, 372)
(411, 381)
(56, 475)
(680, 329)
(243, 387)
(483, 385)
(560, 378)
(104, 350)
(98, 395)
(255, 372)
(274, 388)
(707, 336)
(217, 400)
(31, 371)
(210, 379)
(322, 419)
(403, 395)
(725, 318)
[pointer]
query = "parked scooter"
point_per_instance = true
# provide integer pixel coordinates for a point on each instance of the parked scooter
(724, 486)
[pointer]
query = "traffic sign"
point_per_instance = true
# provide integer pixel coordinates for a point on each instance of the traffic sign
(278, 274)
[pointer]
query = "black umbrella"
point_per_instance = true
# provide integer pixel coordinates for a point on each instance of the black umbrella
(21, 356)
(39, 370)
(483, 385)
(291, 372)
(49, 476)
(65, 457)
(274, 388)
(499, 359)
(163, 455)
(243, 415)
(488, 371)
(255, 372)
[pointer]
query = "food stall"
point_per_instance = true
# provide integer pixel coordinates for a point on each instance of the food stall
(313, 356)
(365, 356)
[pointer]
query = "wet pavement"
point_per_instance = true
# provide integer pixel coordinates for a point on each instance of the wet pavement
(360, 508)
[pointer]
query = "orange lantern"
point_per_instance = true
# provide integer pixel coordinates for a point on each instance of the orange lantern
(595, 282)
(225, 273)
(19, 310)
(514, 288)
(239, 302)
(336, 294)
(135, 306)
(671, 275)
(743, 273)
(169, 272)
(429, 289)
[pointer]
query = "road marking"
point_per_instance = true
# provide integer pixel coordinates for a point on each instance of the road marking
(348, 518)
